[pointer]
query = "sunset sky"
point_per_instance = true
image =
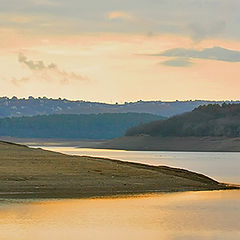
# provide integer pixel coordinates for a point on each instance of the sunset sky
(120, 50)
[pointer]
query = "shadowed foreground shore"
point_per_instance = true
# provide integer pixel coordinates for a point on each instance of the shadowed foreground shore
(36, 173)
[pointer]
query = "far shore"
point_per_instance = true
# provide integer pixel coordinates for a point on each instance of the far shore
(139, 143)
(185, 144)
(54, 142)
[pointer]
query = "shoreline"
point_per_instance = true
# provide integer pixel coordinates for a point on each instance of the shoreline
(35, 173)
(173, 144)
(39, 195)
(139, 143)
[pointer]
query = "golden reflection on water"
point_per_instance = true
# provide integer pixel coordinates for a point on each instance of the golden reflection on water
(189, 215)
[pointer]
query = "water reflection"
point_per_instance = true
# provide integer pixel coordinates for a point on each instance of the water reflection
(189, 215)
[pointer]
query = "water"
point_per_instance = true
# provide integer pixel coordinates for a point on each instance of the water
(172, 216)
(222, 166)
(175, 216)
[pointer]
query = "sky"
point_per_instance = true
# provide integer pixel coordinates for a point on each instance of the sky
(120, 50)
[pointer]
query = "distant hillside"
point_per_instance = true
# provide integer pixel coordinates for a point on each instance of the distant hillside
(92, 126)
(211, 128)
(212, 120)
(15, 107)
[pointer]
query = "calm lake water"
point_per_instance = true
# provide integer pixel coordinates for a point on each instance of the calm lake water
(173, 216)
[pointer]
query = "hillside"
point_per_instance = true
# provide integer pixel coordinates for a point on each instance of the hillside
(65, 126)
(206, 128)
(212, 120)
(35, 173)
(14, 107)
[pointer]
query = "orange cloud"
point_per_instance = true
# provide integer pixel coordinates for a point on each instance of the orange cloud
(119, 15)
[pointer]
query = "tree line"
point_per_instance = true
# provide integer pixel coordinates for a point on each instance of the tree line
(207, 120)
(73, 126)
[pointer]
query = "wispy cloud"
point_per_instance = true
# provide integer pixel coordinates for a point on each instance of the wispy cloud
(43, 2)
(215, 53)
(178, 62)
(119, 15)
(197, 19)
(46, 72)
(19, 81)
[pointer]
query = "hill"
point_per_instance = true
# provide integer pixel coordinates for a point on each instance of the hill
(69, 126)
(204, 121)
(206, 128)
(35, 173)
(14, 107)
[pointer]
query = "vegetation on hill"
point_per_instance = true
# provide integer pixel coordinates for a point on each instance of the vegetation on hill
(15, 107)
(92, 126)
(212, 120)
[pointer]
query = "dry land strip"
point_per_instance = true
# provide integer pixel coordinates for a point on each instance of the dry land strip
(35, 173)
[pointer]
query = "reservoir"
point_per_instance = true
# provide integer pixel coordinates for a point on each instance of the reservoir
(176, 216)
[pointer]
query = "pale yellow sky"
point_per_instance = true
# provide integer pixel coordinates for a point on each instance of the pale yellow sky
(116, 54)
